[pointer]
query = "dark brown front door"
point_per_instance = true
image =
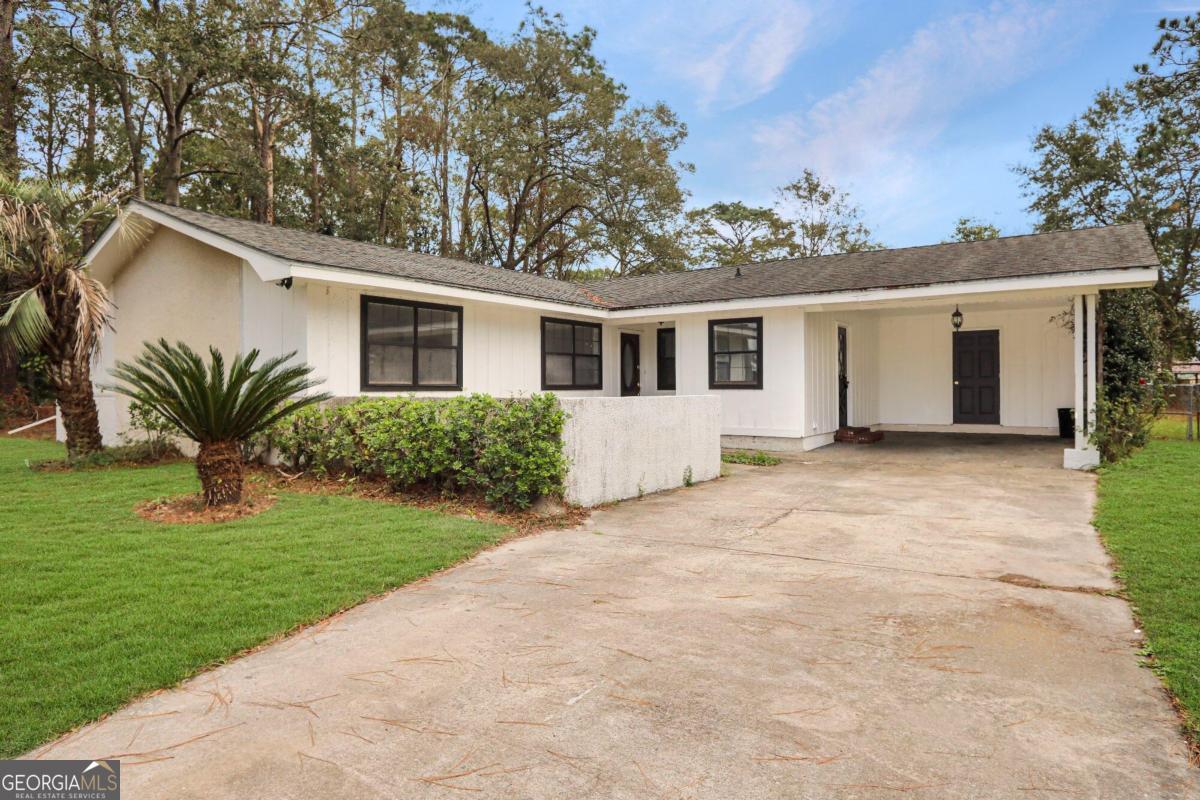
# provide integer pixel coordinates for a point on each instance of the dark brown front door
(631, 380)
(977, 377)
(843, 381)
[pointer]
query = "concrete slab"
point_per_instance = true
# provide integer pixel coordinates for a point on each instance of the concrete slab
(834, 627)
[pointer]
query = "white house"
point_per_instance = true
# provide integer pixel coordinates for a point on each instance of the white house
(794, 348)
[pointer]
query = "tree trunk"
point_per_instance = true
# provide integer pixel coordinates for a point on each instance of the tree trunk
(8, 372)
(73, 383)
(9, 91)
(219, 465)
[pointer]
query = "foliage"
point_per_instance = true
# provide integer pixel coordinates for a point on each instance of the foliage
(756, 458)
(207, 404)
(734, 233)
(510, 451)
(1134, 354)
(149, 428)
(1134, 156)
(969, 229)
(130, 454)
(1145, 514)
(1123, 425)
(823, 218)
(33, 374)
(110, 606)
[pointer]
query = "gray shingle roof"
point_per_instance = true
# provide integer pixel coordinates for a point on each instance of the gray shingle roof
(1113, 247)
(1085, 250)
(330, 251)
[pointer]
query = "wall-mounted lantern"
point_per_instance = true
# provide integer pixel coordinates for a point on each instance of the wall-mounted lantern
(956, 318)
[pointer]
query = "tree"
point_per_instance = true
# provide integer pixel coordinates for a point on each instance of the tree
(1134, 156)
(734, 233)
(969, 229)
(218, 410)
(823, 218)
(51, 305)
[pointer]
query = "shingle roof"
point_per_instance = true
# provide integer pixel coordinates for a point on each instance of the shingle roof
(1114, 247)
(1085, 250)
(330, 251)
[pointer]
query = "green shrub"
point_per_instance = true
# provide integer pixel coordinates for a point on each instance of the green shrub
(510, 451)
(1123, 425)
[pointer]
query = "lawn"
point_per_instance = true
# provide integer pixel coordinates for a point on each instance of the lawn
(1149, 516)
(98, 606)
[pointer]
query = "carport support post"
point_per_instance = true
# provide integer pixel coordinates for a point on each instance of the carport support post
(1080, 439)
(1092, 356)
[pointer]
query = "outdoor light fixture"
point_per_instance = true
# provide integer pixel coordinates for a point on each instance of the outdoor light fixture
(956, 318)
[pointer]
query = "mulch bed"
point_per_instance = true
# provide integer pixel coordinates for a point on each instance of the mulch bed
(189, 509)
(549, 516)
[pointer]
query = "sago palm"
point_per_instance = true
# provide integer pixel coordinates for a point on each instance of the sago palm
(218, 410)
(48, 302)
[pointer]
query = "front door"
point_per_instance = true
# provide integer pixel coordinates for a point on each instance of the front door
(631, 372)
(977, 377)
(843, 381)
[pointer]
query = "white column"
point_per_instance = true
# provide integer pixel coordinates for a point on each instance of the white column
(1080, 439)
(1091, 363)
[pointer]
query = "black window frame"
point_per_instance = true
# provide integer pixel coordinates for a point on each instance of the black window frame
(712, 353)
(659, 358)
(365, 383)
(599, 356)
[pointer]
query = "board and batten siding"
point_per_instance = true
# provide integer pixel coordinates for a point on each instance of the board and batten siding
(502, 352)
(916, 367)
(821, 370)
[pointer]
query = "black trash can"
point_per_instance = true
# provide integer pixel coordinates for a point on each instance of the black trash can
(1066, 423)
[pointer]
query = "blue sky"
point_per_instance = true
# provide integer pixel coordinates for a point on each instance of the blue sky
(918, 109)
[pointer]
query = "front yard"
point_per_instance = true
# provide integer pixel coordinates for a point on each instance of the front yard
(1149, 516)
(98, 605)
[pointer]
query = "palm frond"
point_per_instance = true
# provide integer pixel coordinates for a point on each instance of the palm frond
(208, 402)
(24, 324)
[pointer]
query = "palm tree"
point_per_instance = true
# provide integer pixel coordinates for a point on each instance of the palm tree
(217, 410)
(48, 302)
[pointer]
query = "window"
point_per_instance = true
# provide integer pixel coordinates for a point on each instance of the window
(666, 359)
(735, 353)
(570, 354)
(413, 346)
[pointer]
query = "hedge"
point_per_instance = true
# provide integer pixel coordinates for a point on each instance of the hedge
(509, 451)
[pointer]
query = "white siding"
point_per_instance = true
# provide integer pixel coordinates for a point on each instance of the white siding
(501, 344)
(916, 369)
(821, 377)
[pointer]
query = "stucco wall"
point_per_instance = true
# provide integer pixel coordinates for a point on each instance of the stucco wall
(173, 287)
(620, 447)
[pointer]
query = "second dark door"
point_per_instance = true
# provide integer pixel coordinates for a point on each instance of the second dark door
(631, 364)
(843, 380)
(977, 377)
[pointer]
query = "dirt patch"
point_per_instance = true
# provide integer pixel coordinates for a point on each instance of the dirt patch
(190, 510)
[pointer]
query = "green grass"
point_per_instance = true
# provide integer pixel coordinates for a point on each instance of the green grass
(1149, 516)
(755, 458)
(98, 606)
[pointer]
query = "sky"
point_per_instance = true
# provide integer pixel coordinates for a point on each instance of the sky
(920, 110)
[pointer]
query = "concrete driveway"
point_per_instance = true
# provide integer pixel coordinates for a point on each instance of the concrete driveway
(922, 618)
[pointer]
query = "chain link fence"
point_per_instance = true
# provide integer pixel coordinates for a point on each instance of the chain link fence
(1183, 406)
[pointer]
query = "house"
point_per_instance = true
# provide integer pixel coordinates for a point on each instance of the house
(951, 337)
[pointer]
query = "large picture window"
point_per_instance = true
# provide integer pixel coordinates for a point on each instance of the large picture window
(410, 346)
(571, 354)
(735, 353)
(666, 359)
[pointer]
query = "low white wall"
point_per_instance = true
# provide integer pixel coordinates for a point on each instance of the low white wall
(620, 447)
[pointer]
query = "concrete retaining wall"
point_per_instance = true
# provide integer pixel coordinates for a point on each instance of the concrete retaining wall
(620, 447)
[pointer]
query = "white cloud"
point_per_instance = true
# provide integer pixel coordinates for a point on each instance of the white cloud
(879, 134)
(728, 53)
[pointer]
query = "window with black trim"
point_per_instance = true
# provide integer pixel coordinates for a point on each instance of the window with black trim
(666, 359)
(735, 353)
(410, 346)
(571, 354)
